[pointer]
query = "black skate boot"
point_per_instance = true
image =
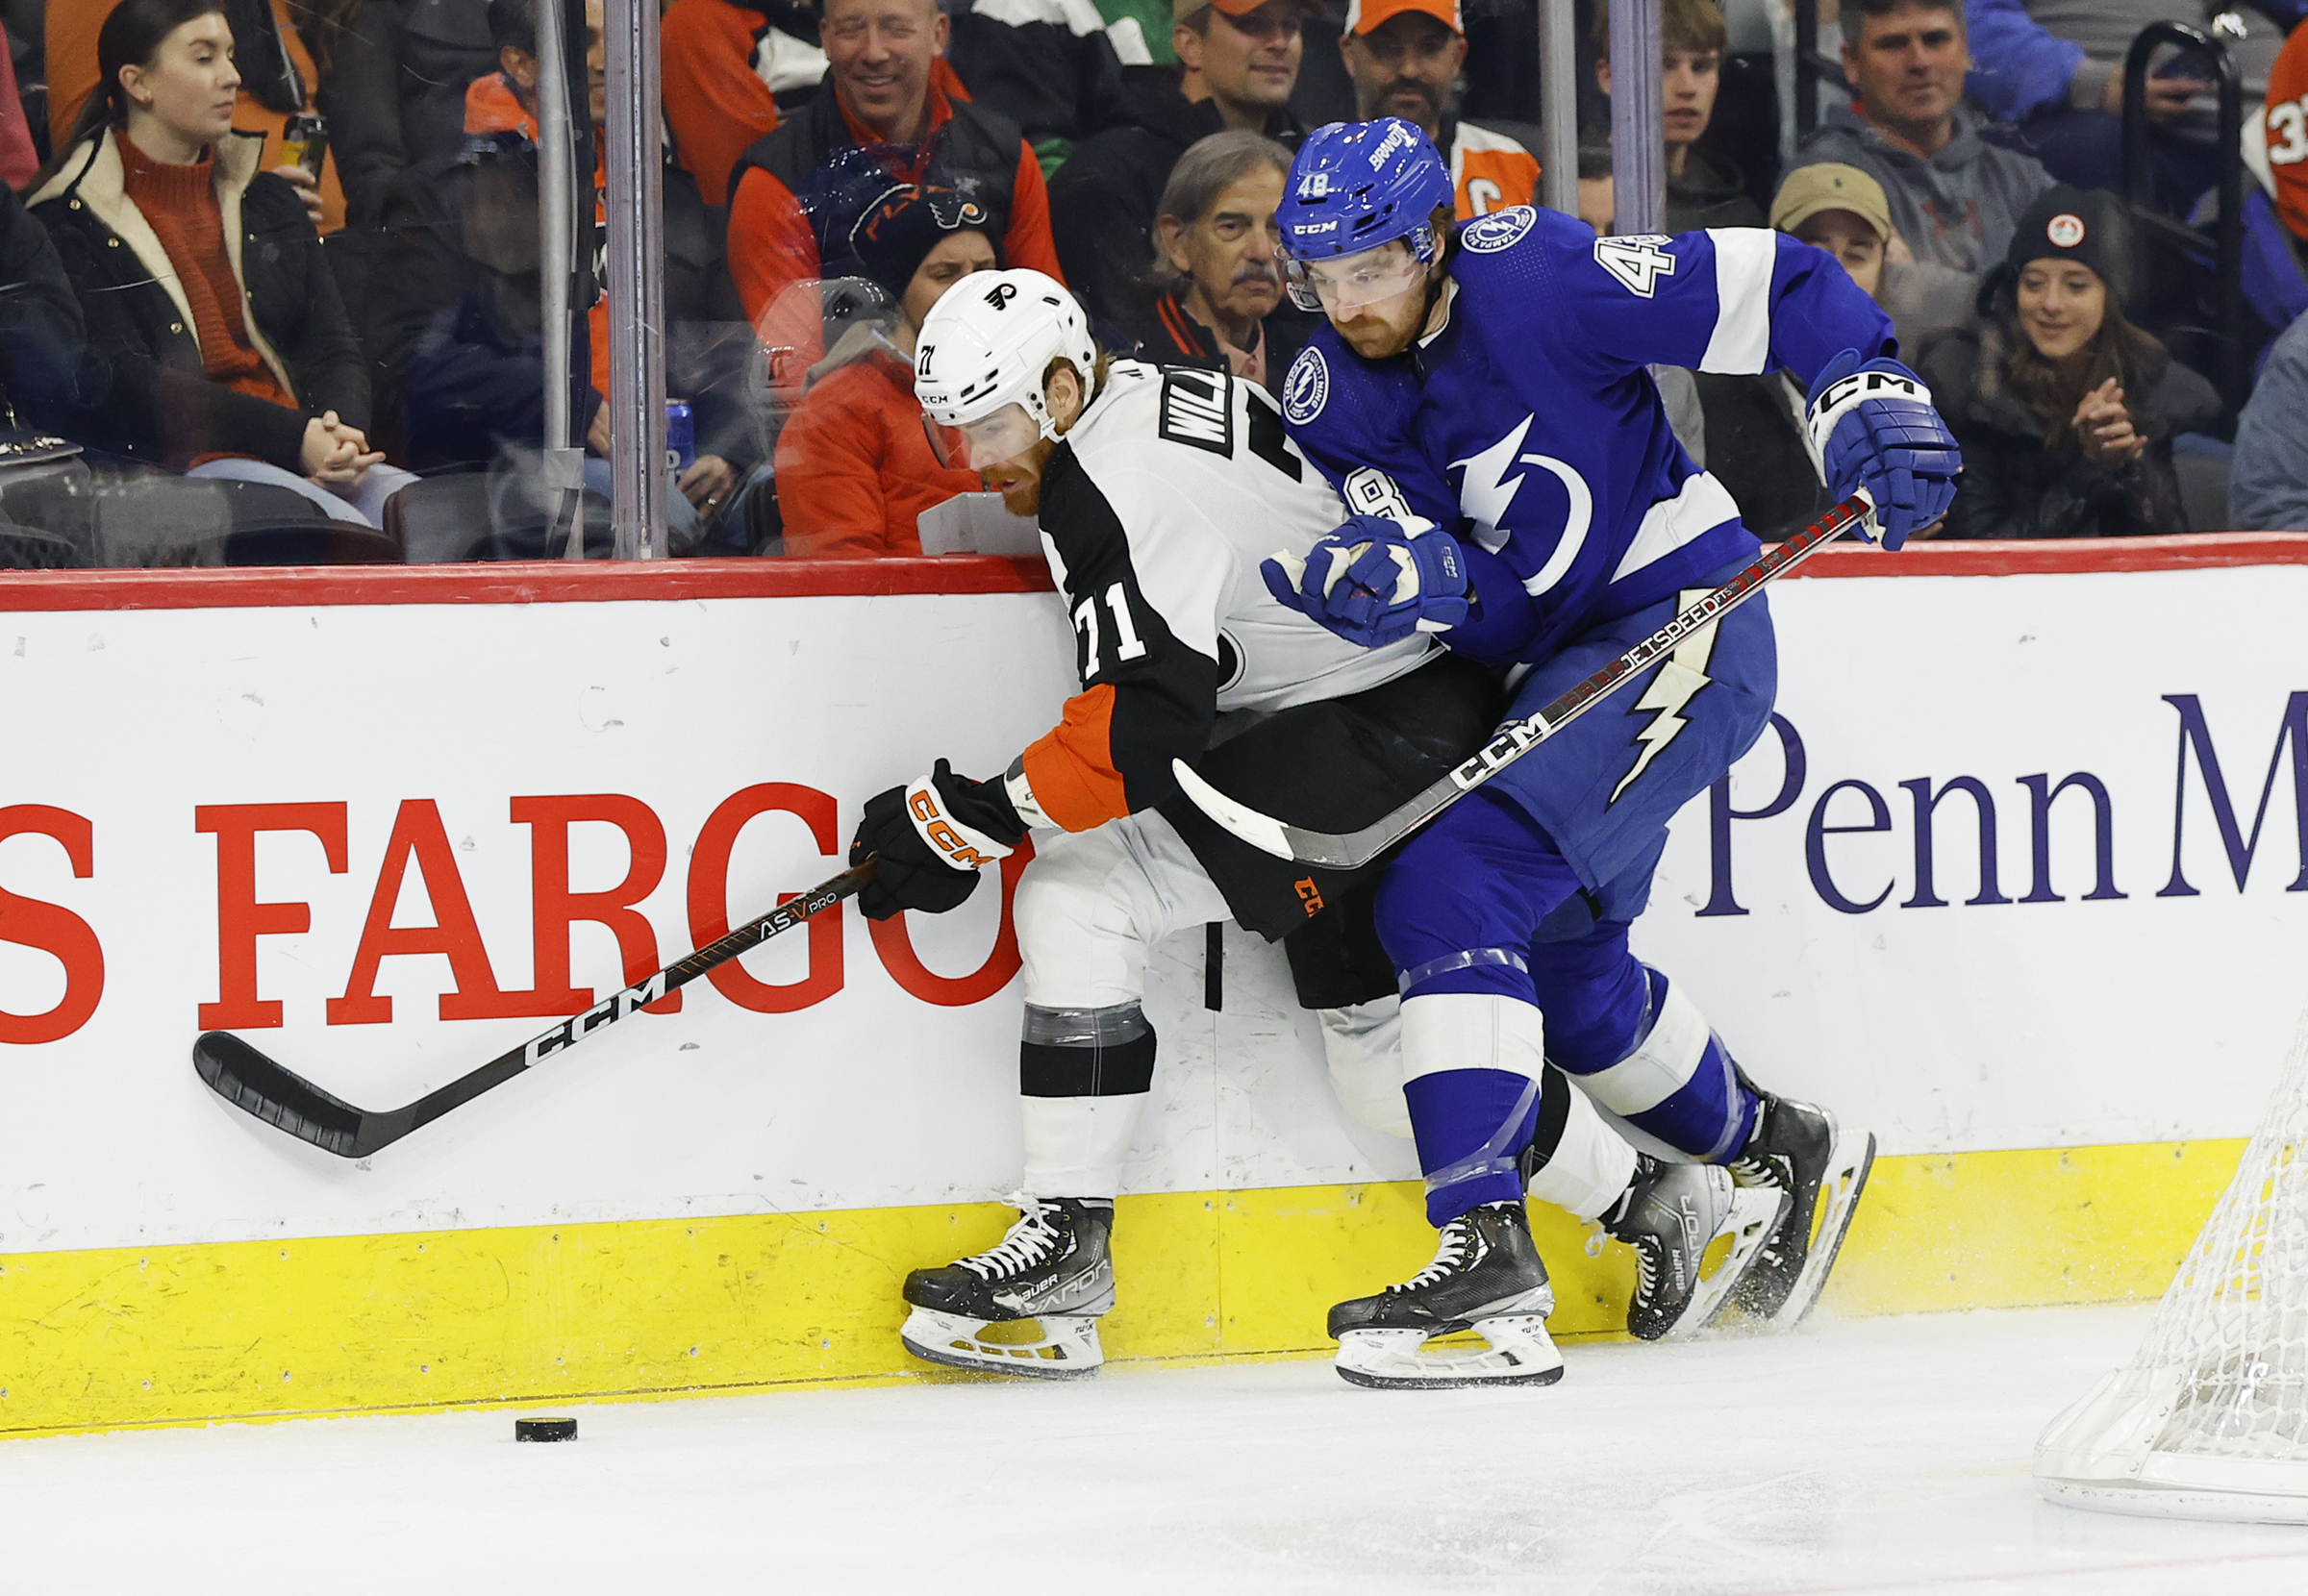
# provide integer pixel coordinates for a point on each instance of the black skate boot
(1669, 1215)
(1487, 1278)
(1050, 1278)
(1799, 1149)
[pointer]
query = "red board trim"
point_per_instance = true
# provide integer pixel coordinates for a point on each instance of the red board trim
(605, 582)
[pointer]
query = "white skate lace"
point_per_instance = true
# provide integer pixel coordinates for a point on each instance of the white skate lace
(1027, 1244)
(1646, 1274)
(1457, 1245)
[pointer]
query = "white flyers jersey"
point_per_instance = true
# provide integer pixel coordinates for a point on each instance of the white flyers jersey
(1156, 511)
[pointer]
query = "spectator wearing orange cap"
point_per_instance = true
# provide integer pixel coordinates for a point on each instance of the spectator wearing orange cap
(1405, 57)
(854, 465)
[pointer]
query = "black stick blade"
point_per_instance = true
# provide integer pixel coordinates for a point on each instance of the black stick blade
(256, 1085)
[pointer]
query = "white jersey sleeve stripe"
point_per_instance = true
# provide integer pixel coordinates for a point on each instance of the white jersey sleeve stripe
(1741, 342)
(1701, 506)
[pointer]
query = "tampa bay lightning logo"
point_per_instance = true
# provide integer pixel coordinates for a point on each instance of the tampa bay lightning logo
(1307, 389)
(1499, 230)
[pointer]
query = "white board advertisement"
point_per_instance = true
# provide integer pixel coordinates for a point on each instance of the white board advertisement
(384, 842)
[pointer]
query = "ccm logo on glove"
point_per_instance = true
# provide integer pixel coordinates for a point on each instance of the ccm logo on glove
(963, 848)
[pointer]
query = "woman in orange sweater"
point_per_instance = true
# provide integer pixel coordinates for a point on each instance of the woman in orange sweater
(214, 319)
(854, 465)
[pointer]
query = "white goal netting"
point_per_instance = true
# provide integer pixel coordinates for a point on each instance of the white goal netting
(2210, 1418)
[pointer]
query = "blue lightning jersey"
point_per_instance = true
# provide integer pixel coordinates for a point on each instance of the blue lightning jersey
(1530, 427)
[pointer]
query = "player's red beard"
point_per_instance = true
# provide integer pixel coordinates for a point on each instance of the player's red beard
(1376, 332)
(1018, 480)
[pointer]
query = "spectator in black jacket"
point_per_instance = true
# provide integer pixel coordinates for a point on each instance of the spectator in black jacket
(1218, 273)
(1239, 62)
(460, 297)
(2065, 411)
(43, 340)
(444, 46)
(213, 322)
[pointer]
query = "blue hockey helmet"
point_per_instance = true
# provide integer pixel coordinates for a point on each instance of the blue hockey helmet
(1356, 185)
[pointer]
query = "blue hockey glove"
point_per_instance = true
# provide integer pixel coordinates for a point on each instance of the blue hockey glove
(1375, 580)
(1871, 424)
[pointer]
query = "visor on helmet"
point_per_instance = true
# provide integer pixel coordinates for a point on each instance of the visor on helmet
(1346, 284)
(988, 441)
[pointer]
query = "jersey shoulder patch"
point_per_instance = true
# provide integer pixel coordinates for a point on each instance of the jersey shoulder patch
(1499, 230)
(1306, 389)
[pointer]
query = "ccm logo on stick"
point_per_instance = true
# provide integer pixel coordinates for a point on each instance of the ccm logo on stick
(607, 1011)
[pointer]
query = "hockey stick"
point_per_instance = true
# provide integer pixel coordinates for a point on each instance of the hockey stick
(1350, 850)
(255, 1085)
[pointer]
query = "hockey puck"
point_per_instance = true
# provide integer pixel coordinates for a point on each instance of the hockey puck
(544, 1430)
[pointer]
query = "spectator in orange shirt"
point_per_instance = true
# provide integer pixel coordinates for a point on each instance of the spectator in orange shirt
(1405, 57)
(719, 57)
(882, 96)
(854, 464)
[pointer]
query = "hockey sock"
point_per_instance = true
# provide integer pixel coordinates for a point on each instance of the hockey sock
(1582, 1166)
(1474, 1062)
(1084, 1079)
(1679, 1083)
(1363, 1046)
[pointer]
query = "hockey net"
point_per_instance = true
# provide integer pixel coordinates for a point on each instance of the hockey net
(2210, 1418)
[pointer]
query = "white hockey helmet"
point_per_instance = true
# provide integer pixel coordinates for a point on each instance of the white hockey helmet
(984, 348)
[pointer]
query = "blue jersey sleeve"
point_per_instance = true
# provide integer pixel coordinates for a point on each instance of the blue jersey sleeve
(2017, 67)
(1734, 300)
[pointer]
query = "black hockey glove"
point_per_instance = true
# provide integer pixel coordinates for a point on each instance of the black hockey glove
(933, 836)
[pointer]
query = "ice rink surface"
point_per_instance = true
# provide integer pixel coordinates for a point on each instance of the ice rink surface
(1874, 1455)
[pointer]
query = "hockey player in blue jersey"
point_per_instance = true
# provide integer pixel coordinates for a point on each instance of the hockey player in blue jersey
(1481, 400)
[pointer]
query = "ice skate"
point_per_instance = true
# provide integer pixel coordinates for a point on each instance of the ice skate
(1487, 1278)
(1800, 1150)
(1046, 1282)
(1670, 1215)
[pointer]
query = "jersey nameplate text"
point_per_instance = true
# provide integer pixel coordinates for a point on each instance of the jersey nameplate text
(1197, 408)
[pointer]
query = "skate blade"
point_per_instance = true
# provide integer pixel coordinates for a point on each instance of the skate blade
(1846, 1177)
(1067, 1348)
(1520, 1352)
(1754, 1212)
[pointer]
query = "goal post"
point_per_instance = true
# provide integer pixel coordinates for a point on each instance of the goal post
(2210, 1418)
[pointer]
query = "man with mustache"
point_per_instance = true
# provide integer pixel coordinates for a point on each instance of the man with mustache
(1405, 57)
(1217, 267)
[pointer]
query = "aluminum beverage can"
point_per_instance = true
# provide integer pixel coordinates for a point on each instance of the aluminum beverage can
(681, 436)
(305, 141)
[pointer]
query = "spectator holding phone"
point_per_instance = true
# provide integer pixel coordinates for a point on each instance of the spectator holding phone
(2065, 411)
(216, 325)
(279, 80)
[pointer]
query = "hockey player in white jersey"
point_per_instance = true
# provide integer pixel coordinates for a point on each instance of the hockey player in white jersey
(1158, 491)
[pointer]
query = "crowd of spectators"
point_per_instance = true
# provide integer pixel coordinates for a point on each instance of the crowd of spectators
(201, 297)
